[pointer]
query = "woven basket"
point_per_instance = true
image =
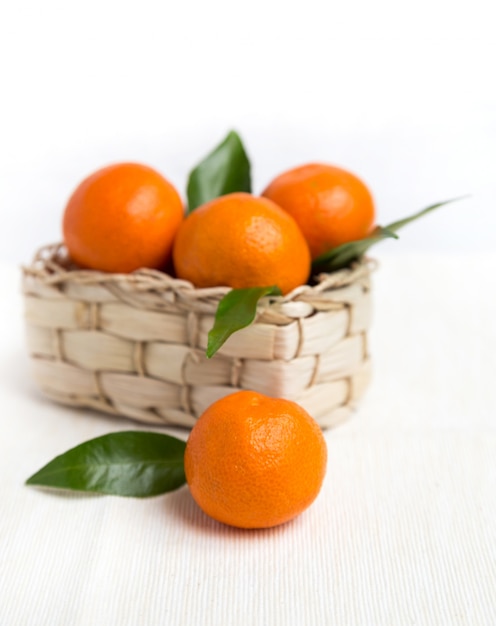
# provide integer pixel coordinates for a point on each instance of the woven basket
(134, 345)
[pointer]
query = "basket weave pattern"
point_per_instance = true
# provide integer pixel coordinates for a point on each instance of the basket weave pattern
(134, 345)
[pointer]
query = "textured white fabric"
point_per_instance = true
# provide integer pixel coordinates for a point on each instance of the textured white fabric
(402, 533)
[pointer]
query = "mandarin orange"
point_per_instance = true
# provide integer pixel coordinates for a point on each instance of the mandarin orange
(239, 240)
(122, 218)
(331, 205)
(254, 462)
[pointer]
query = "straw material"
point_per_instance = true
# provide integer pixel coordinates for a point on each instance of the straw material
(134, 344)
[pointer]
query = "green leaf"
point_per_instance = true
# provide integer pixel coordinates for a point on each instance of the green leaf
(235, 311)
(343, 255)
(129, 463)
(400, 223)
(223, 171)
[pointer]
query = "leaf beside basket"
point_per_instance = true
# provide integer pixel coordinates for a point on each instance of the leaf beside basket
(136, 464)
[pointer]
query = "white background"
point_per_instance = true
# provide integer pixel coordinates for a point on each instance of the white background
(401, 93)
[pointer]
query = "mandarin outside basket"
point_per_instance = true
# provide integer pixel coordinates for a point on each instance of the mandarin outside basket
(134, 345)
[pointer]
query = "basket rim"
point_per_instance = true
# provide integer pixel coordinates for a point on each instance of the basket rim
(51, 266)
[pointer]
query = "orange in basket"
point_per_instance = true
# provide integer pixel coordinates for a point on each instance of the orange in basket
(254, 462)
(122, 218)
(239, 240)
(331, 205)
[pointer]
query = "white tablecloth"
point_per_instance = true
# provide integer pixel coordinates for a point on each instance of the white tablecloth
(402, 533)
